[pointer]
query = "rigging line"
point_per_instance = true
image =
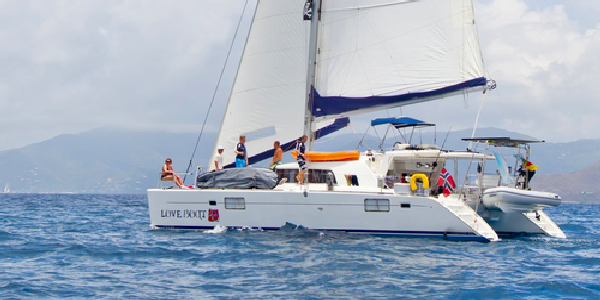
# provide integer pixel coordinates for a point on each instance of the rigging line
(434, 165)
(403, 136)
(477, 118)
(362, 139)
(394, 132)
(216, 89)
(463, 191)
(384, 137)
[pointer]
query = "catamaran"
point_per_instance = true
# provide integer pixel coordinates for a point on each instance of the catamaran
(504, 197)
(307, 67)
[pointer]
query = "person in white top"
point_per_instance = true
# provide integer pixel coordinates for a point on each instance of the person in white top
(219, 158)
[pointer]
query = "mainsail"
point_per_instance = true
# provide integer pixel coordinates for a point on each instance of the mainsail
(371, 55)
(377, 54)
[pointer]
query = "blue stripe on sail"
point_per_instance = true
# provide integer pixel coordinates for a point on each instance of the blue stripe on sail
(334, 105)
(335, 126)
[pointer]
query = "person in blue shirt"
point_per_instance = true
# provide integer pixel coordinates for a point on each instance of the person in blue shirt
(241, 159)
(300, 147)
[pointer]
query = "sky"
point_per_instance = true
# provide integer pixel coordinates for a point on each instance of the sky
(72, 66)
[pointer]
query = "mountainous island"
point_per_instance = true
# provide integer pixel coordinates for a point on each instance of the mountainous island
(111, 160)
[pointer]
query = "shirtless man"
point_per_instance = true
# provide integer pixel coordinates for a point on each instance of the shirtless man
(276, 156)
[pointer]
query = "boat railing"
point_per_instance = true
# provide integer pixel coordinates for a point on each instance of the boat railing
(485, 180)
(468, 192)
(164, 184)
(199, 170)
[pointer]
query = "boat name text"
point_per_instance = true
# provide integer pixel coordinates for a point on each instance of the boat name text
(183, 213)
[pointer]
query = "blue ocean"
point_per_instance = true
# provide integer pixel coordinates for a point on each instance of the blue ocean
(57, 246)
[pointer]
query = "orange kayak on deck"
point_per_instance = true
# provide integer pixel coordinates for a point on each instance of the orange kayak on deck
(329, 155)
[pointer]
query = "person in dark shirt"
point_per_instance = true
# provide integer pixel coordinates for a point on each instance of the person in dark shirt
(241, 159)
(300, 147)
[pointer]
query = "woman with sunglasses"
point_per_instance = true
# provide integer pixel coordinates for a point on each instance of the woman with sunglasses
(167, 174)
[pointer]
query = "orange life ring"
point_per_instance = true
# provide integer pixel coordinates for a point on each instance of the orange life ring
(319, 156)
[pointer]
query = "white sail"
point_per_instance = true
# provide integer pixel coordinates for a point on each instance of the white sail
(376, 54)
(267, 99)
(372, 55)
(357, 55)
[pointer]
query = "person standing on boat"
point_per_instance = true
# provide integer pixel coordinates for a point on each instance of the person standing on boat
(219, 159)
(300, 147)
(167, 174)
(241, 160)
(526, 172)
(531, 168)
(276, 156)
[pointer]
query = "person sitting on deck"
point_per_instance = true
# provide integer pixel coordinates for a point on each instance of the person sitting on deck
(167, 174)
(403, 178)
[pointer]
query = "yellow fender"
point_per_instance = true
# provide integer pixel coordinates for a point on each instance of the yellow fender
(413, 181)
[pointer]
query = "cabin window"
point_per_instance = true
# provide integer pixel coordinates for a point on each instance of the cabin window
(235, 203)
(377, 205)
(313, 175)
(405, 205)
(212, 202)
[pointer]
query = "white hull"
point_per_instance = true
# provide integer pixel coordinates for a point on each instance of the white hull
(408, 216)
(512, 224)
(511, 200)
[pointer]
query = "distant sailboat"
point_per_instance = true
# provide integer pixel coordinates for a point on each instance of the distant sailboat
(6, 188)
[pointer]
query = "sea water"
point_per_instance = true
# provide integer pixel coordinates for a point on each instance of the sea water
(77, 246)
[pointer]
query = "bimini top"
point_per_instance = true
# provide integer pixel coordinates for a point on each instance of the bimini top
(400, 122)
(501, 141)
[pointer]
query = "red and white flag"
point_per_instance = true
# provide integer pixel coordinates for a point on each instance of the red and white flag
(446, 181)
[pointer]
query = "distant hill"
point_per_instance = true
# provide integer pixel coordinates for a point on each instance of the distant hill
(428, 136)
(103, 160)
(580, 186)
(109, 160)
(552, 158)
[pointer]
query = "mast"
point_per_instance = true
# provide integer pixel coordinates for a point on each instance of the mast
(312, 63)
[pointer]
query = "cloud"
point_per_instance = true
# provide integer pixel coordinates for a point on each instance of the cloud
(545, 64)
(70, 66)
(544, 59)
